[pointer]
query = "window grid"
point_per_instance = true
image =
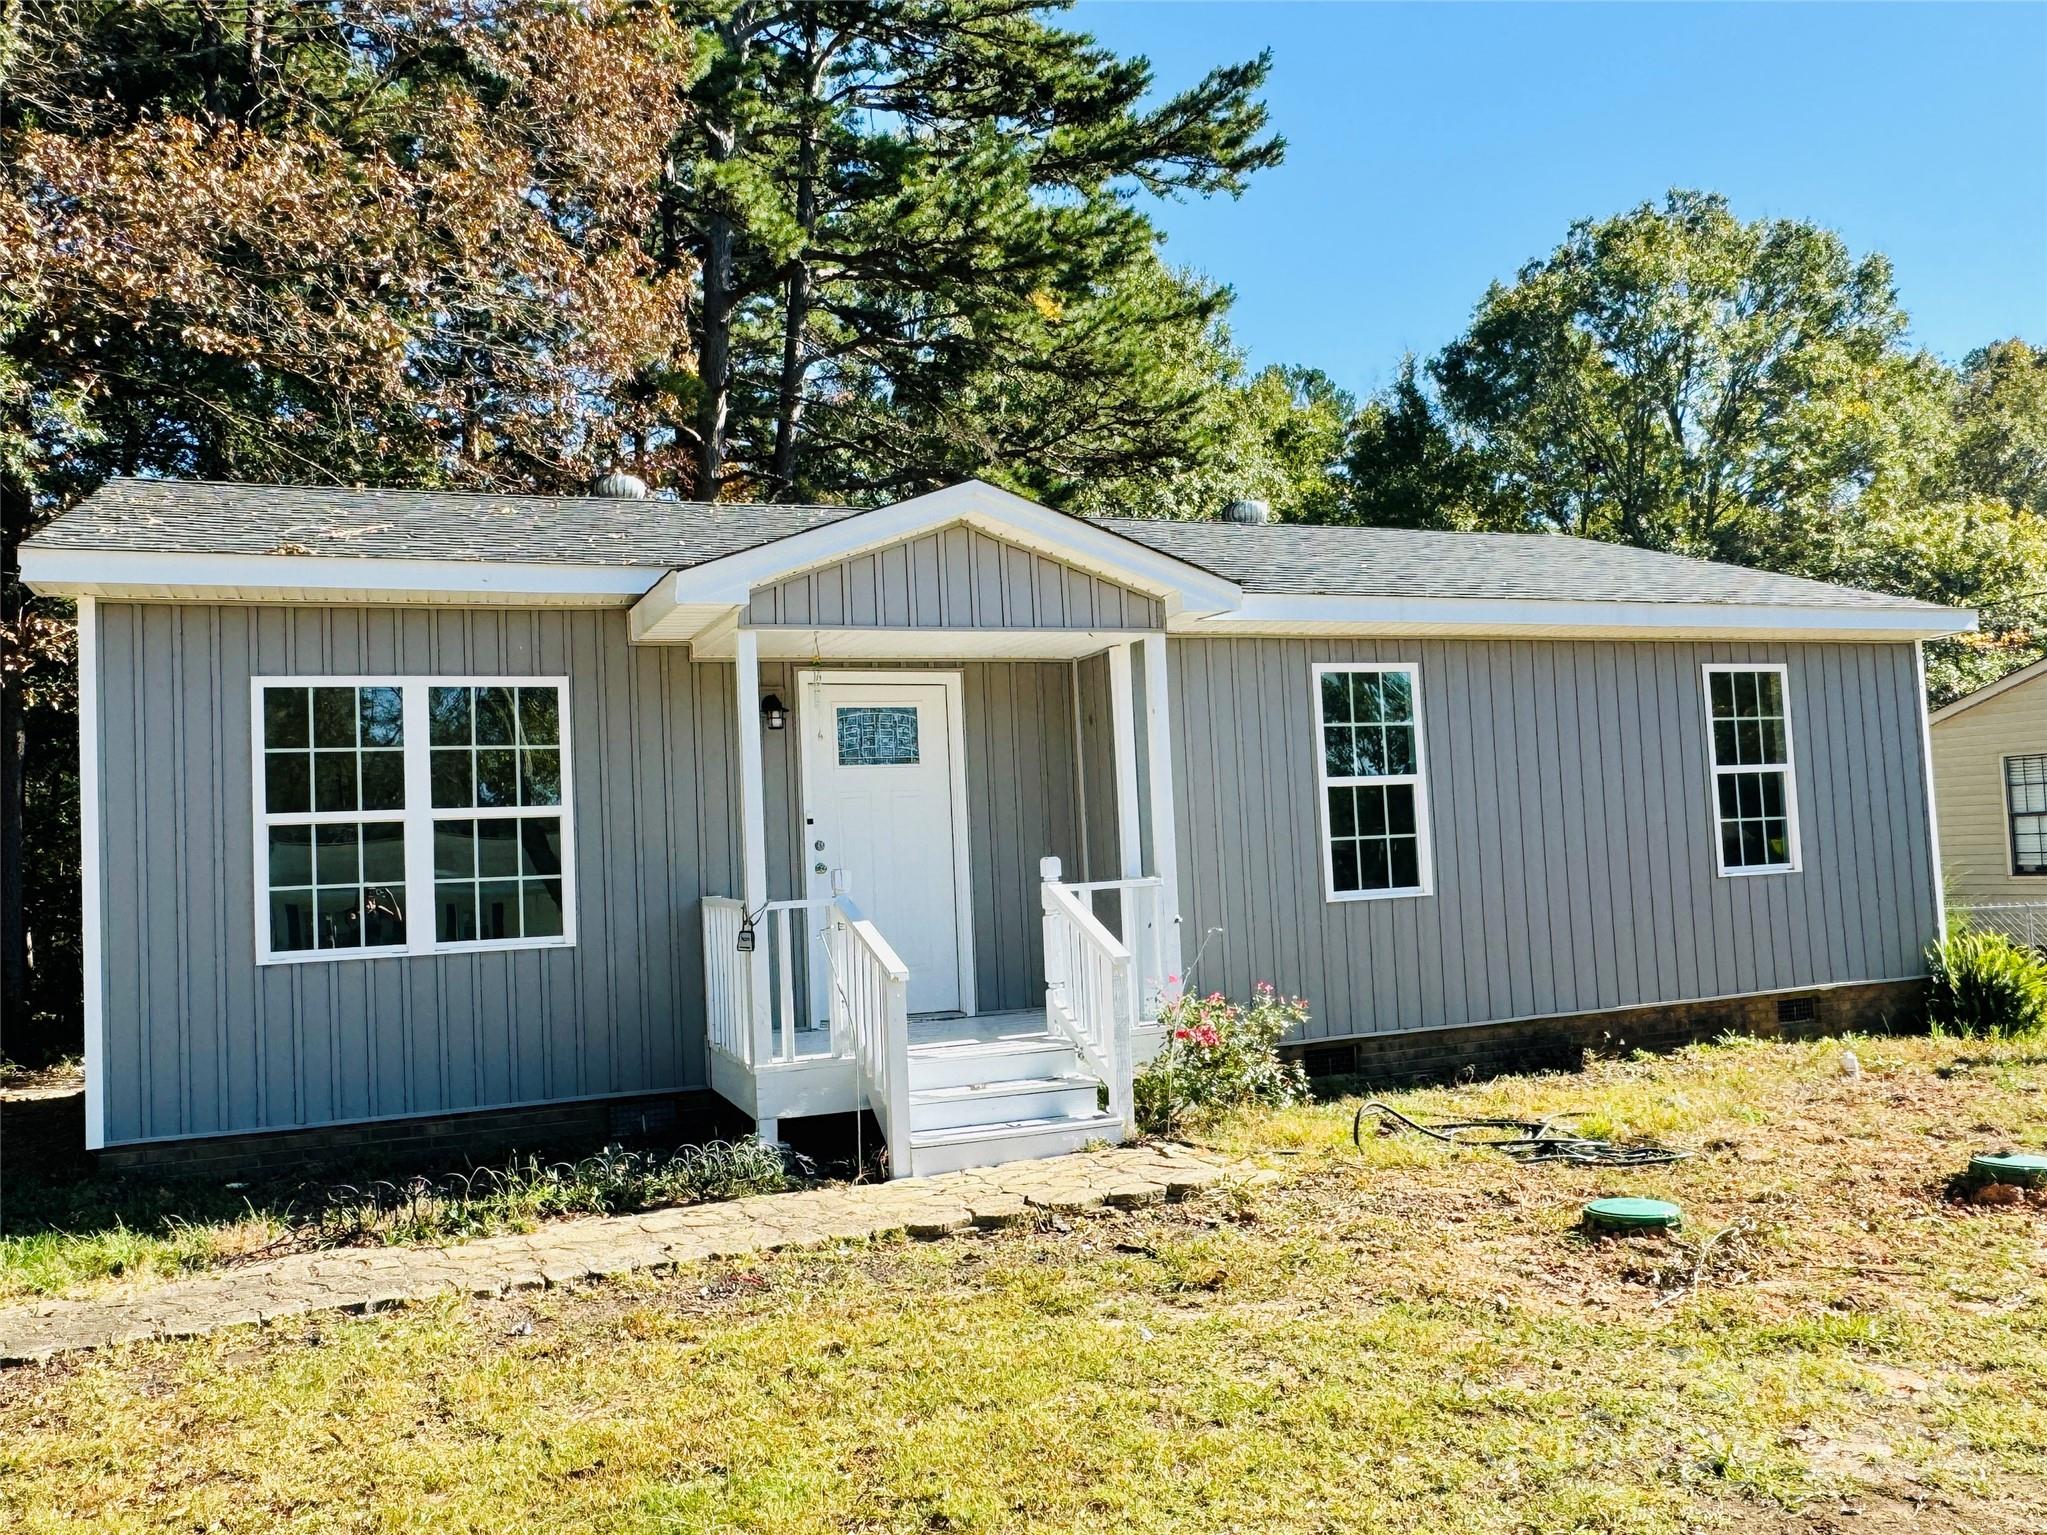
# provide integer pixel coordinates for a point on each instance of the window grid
(496, 754)
(1748, 727)
(2025, 794)
(334, 800)
(333, 870)
(1374, 813)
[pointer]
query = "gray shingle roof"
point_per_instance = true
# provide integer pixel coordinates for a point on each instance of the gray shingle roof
(209, 517)
(1403, 562)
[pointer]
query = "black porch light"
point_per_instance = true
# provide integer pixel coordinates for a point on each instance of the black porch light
(774, 712)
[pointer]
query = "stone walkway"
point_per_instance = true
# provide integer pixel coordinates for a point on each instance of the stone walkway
(596, 1247)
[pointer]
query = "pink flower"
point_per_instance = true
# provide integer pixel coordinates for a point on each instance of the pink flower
(1172, 980)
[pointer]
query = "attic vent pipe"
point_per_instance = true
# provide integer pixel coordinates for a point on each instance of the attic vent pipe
(1247, 512)
(620, 486)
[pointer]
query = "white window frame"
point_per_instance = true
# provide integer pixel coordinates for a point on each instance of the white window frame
(1789, 768)
(1424, 849)
(2011, 818)
(418, 818)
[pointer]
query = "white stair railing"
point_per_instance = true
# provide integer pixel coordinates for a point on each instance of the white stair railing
(870, 1011)
(1139, 901)
(1090, 988)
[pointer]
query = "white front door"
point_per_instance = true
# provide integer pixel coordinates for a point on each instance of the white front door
(883, 799)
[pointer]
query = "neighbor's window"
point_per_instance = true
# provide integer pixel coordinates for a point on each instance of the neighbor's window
(1374, 801)
(2025, 793)
(357, 781)
(1750, 743)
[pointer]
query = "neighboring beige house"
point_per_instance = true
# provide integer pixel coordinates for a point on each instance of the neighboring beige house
(1990, 781)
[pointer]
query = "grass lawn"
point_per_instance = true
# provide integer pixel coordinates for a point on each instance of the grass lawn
(1407, 1339)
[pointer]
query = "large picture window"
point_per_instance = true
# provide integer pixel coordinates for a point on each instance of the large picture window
(1375, 833)
(410, 815)
(2025, 798)
(1748, 725)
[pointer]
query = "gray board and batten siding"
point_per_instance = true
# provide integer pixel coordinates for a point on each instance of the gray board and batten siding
(954, 578)
(1573, 832)
(200, 1039)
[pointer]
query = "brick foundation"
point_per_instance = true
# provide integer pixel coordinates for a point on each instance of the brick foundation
(1564, 1043)
(442, 1142)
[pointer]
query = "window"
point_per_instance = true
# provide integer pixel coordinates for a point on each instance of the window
(2025, 796)
(877, 737)
(1749, 737)
(1374, 805)
(373, 792)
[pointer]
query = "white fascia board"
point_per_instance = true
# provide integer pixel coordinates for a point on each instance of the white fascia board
(729, 582)
(147, 575)
(1286, 613)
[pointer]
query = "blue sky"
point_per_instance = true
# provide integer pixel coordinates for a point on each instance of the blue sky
(1434, 148)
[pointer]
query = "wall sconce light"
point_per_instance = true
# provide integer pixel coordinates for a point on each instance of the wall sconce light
(773, 711)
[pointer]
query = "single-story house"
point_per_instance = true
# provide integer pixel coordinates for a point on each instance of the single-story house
(400, 806)
(1990, 770)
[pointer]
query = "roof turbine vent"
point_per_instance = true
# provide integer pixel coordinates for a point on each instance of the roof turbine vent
(617, 485)
(1246, 511)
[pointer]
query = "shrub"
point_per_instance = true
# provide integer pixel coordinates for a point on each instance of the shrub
(1218, 1055)
(1983, 983)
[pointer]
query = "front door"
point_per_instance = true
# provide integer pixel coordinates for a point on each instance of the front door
(883, 799)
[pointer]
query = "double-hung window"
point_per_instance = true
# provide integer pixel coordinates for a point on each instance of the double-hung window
(411, 816)
(1375, 825)
(2025, 799)
(1748, 725)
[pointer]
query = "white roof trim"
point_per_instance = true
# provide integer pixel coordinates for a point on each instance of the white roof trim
(1990, 690)
(147, 576)
(1284, 613)
(685, 600)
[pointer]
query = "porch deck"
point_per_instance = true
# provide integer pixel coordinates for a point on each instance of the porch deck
(936, 1030)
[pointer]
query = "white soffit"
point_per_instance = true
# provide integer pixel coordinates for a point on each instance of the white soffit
(146, 576)
(718, 642)
(1288, 614)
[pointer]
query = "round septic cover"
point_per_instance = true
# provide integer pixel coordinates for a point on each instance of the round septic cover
(2011, 1167)
(1631, 1214)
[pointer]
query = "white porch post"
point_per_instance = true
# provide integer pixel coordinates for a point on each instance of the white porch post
(753, 838)
(1123, 751)
(1165, 850)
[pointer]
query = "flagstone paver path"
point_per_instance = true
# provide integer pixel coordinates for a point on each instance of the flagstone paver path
(596, 1247)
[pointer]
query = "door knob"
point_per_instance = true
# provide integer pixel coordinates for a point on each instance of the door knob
(817, 868)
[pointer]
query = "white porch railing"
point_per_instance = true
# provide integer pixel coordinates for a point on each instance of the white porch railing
(728, 978)
(2021, 921)
(729, 975)
(1091, 990)
(870, 1012)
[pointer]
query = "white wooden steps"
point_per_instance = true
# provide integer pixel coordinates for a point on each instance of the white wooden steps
(978, 1103)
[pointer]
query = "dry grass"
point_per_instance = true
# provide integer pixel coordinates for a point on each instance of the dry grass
(1407, 1339)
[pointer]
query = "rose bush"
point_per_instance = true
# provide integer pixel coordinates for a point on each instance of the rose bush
(1219, 1054)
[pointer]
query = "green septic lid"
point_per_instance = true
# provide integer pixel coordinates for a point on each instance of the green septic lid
(2011, 1167)
(1631, 1214)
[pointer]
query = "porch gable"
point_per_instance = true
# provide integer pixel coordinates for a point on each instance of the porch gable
(957, 577)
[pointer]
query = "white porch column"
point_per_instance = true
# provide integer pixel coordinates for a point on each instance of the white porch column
(1123, 752)
(753, 838)
(1165, 850)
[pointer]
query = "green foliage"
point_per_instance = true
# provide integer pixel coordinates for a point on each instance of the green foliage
(1220, 1055)
(1982, 983)
(65, 1232)
(1676, 378)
